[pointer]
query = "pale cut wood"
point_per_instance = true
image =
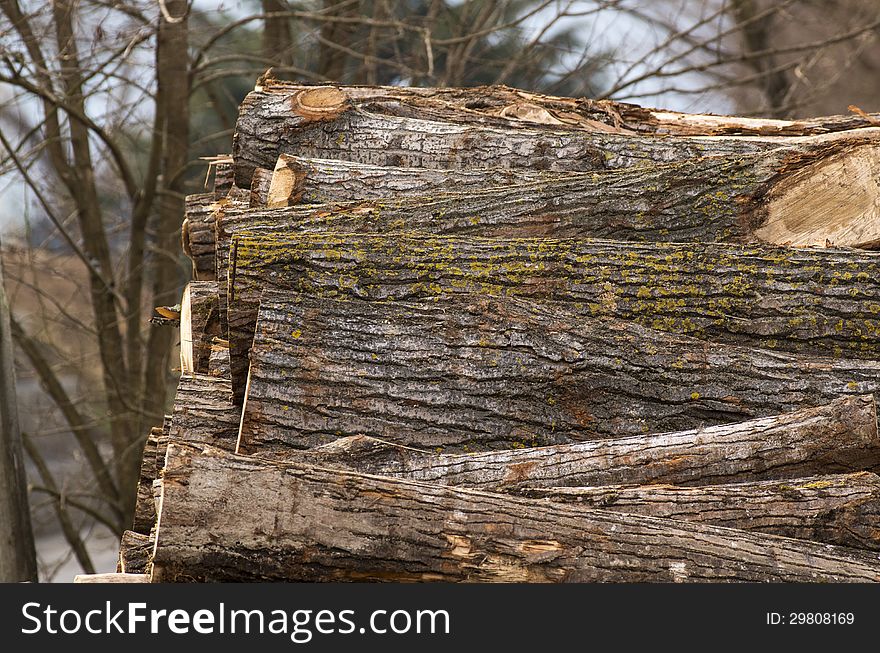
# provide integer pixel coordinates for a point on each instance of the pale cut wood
(111, 578)
(314, 524)
(822, 302)
(199, 325)
(482, 373)
(841, 509)
(839, 437)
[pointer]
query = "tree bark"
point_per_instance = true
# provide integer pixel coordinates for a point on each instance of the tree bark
(135, 551)
(144, 510)
(18, 560)
(485, 373)
(298, 180)
(199, 325)
(197, 234)
(313, 524)
(811, 301)
(809, 194)
(204, 412)
(843, 509)
(838, 437)
(583, 113)
(386, 140)
(260, 183)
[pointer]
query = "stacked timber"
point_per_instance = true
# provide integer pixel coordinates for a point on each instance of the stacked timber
(491, 335)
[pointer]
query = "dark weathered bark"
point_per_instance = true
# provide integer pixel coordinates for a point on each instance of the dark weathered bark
(197, 234)
(309, 523)
(839, 437)
(583, 113)
(218, 364)
(260, 183)
(224, 178)
(813, 301)
(144, 510)
(473, 372)
(204, 412)
(298, 180)
(135, 552)
(199, 325)
(841, 509)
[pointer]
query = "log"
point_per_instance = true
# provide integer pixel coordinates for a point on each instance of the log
(197, 234)
(790, 177)
(298, 180)
(260, 183)
(483, 373)
(218, 364)
(111, 578)
(841, 509)
(204, 412)
(199, 325)
(224, 177)
(838, 437)
(307, 523)
(144, 511)
(811, 301)
(584, 113)
(135, 552)
(776, 198)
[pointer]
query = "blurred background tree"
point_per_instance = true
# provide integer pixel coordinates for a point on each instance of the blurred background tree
(107, 106)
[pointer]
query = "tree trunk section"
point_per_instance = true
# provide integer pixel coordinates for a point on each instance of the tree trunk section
(839, 437)
(823, 302)
(306, 523)
(135, 552)
(474, 373)
(843, 510)
(296, 180)
(204, 412)
(582, 113)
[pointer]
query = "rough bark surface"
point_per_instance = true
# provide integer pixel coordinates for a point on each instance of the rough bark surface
(812, 301)
(197, 234)
(264, 131)
(260, 184)
(839, 509)
(204, 412)
(839, 437)
(473, 372)
(135, 552)
(516, 104)
(298, 180)
(309, 523)
(144, 510)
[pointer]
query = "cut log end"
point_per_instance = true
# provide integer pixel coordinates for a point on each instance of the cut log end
(833, 202)
(323, 103)
(287, 184)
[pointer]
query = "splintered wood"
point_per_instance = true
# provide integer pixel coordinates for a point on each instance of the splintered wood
(488, 335)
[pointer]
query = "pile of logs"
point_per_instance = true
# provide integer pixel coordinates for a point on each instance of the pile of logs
(488, 335)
